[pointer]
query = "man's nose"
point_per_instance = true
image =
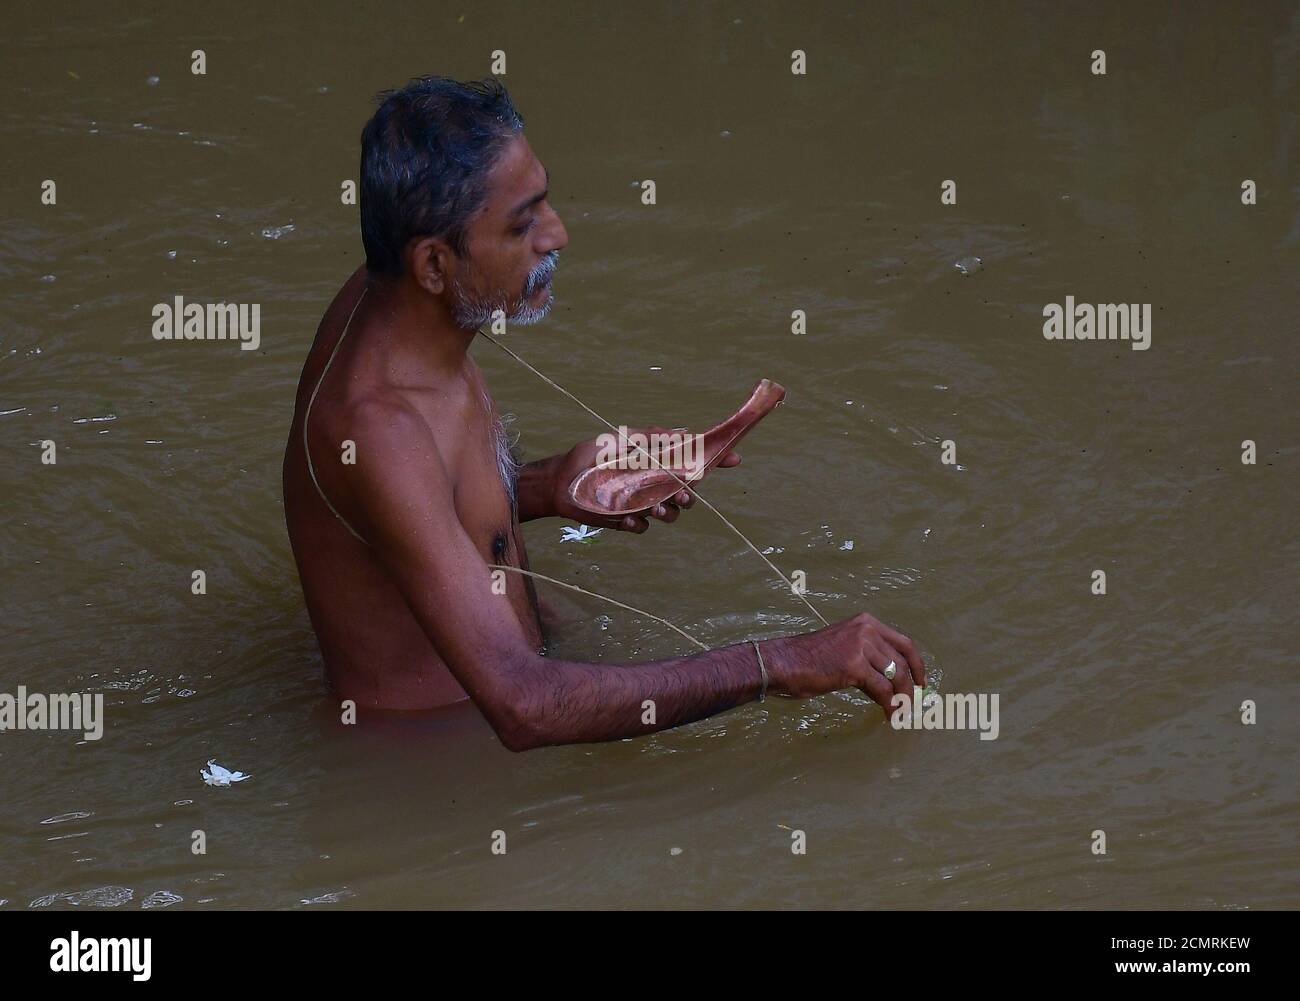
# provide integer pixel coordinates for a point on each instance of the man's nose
(557, 237)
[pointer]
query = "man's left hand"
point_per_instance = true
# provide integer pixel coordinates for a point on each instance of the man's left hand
(583, 456)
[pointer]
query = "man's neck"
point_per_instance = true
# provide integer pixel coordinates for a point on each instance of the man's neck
(419, 323)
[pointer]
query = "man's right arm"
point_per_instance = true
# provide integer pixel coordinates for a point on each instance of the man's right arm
(407, 510)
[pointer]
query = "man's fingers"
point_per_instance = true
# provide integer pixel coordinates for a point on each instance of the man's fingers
(881, 655)
(902, 679)
(666, 512)
(878, 689)
(684, 499)
(634, 523)
(907, 648)
(729, 460)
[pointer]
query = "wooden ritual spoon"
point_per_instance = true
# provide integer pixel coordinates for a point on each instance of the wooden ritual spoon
(610, 490)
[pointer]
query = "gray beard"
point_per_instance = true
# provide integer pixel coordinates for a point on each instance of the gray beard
(469, 312)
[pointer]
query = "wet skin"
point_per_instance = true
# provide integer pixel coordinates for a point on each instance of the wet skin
(408, 619)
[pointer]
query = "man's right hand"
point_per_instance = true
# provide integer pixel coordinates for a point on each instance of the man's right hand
(849, 654)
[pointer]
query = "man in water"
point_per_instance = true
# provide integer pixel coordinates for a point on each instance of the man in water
(399, 489)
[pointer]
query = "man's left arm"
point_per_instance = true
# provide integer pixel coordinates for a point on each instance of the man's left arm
(535, 488)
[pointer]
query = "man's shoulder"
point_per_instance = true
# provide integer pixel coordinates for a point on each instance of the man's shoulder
(336, 313)
(382, 418)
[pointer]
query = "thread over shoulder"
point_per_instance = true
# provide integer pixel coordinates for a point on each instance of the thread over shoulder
(306, 445)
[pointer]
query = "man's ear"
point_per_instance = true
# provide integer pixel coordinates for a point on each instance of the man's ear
(431, 262)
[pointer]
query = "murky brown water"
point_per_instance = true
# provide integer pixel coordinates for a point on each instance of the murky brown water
(775, 193)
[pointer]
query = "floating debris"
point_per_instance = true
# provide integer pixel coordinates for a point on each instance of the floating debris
(583, 533)
(334, 897)
(215, 775)
(101, 896)
(275, 232)
(64, 817)
(969, 265)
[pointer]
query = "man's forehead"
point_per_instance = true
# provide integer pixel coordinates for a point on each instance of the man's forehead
(514, 177)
